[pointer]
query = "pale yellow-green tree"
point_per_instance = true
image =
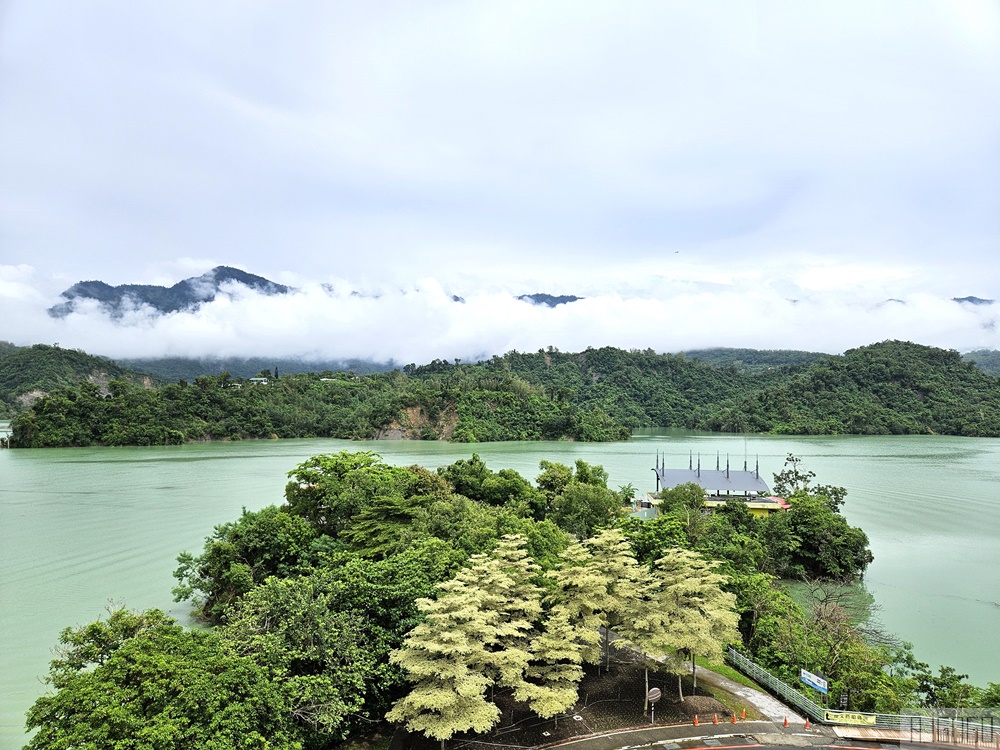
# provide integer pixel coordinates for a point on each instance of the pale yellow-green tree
(554, 672)
(700, 615)
(447, 657)
(647, 631)
(476, 635)
(626, 582)
(580, 595)
(512, 604)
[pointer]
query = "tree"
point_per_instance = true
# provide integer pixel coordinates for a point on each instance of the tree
(446, 657)
(311, 645)
(477, 634)
(330, 489)
(582, 509)
(625, 581)
(652, 538)
(241, 555)
(701, 615)
(946, 689)
(553, 479)
(599, 586)
(812, 540)
(792, 480)
(513, 605)
(579, 601)
(141, 681)
(554, 672)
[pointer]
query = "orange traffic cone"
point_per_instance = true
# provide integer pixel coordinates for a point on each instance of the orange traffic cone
(786, 721)
(807, 722)
(715, 719)
(734, 718)
(743, 714)
(696, 719)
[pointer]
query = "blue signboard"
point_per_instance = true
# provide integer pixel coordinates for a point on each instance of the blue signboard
(814, 680)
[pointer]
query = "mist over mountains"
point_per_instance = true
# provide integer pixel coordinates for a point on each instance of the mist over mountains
(229, 314)
(189, 294)
(184, 295)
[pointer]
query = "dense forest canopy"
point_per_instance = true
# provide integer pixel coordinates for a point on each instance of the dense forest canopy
(30, 372)
(987, 360)
(596, 395)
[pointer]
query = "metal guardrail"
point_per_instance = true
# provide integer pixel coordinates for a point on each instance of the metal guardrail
(979, 731)
(778, 687)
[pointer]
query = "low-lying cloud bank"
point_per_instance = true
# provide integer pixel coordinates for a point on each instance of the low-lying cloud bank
(424, 321)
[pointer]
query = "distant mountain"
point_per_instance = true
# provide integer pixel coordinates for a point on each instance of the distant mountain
(187, 294)
(973, 300)
(549, 300)
(173, 369)
(987, 360)
(753, 360)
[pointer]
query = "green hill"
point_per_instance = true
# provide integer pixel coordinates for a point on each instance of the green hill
(188, 368)
(754, 360)
(893, 387)
(599, 394)
(28, 372)
(987, 360)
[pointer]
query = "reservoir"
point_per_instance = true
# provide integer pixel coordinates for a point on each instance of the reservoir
(80, 528)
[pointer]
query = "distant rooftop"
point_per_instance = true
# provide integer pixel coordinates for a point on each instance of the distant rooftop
(716, 481)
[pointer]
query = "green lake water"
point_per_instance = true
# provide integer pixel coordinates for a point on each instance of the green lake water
(80, 528)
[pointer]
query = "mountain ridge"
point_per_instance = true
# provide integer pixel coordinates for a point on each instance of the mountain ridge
(184, 295)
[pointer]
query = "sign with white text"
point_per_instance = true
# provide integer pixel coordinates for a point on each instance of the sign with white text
(814, 680)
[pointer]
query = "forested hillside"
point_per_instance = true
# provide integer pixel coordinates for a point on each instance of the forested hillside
(893, 387)
(598, 394)
(987, 360)
(461, 406)
(28, 372)
(173, 369)
(753, 360)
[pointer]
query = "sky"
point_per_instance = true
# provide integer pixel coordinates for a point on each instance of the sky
(768, 174)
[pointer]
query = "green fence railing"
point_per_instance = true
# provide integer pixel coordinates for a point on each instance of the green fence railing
(979, 728)
(780, 688)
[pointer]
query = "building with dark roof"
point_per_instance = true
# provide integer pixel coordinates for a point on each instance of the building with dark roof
(721, 485)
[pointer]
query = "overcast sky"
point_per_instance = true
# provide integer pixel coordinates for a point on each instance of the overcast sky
(761, 174)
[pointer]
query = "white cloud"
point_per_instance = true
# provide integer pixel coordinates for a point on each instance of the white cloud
(420, 321)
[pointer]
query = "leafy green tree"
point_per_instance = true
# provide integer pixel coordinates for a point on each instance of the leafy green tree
(241, 555)
(812, 540)
(652, 538)
(946, 689)
(330, 490)
(687, 496)
(467, 476)
(472, 479)
(553, 479)
(582, 509)
(141, 681)
(792, 480)
(990, 696)
(311, 645)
